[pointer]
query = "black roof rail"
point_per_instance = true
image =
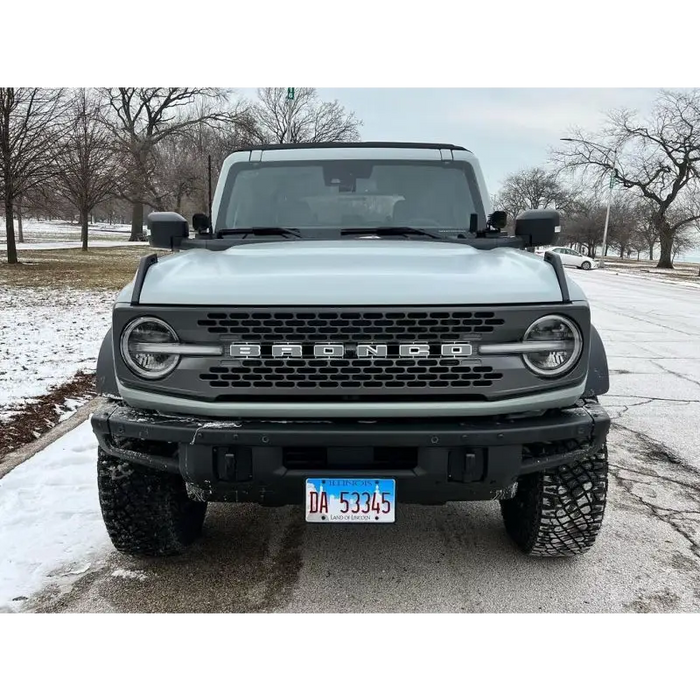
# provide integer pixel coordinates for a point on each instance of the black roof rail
(350, 144)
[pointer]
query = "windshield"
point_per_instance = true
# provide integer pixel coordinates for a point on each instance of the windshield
(341, 194)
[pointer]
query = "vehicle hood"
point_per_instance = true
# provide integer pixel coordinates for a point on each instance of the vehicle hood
(351, 272)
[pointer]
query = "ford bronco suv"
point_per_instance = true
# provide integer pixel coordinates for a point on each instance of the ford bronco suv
(351, 330)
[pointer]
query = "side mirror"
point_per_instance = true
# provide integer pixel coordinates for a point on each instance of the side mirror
(538, 227)
(498, 220)
(167, 229)
(200, 223)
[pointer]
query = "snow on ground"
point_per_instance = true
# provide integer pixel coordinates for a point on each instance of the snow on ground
(56, 235)
(51, 528)
(63, 245)
(46, 336)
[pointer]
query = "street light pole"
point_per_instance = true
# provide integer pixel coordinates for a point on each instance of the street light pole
(607, 212)
(290, 103)
(607, 218)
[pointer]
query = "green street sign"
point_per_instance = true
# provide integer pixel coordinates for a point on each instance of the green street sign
(290, 93)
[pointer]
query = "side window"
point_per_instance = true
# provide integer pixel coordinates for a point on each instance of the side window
(571, 251)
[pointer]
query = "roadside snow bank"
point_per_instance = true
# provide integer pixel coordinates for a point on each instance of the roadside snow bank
(51, 528)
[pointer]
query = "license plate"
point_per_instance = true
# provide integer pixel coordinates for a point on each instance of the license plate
(350, 500)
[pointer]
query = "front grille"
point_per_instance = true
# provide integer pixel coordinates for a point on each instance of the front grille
(351, 326)
(351, 374)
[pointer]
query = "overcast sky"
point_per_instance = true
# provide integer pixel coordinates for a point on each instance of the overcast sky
(507, 128)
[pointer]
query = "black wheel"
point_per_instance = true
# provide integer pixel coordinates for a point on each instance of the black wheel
(146, 512)
(585, 265)
(558, 513)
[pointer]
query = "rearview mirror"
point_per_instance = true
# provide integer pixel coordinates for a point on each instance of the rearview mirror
(167, 229)
(538, 227)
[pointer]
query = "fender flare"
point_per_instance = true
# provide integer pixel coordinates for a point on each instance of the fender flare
(598, 381)
(105, 374)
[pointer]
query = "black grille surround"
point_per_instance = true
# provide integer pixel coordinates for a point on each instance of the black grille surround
(351, 378)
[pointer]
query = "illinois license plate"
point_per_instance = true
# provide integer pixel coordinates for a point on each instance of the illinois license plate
(350, 500)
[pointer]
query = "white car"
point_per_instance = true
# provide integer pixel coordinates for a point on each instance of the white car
(570, 257)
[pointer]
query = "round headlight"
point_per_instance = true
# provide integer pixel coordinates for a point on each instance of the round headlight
(561, 346)
(148, 364)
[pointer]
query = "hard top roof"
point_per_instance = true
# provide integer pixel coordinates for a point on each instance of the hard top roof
(351, 144)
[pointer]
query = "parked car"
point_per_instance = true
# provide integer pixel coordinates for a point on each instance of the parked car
(571, 257)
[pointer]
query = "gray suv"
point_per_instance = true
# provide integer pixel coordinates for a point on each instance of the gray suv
(350, 330)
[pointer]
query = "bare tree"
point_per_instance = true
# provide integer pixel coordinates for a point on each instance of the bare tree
(623, 223)
(534, 188)
(584, 224)
(305, 119)
(182, 171)
(87, 167)
(29, 133)
(645, 231)
(684, 241)
(142, 118)
(657, 158)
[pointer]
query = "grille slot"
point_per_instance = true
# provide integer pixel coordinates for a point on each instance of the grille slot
(352, 374)
(351, 326)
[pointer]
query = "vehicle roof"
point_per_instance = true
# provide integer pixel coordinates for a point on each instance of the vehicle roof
(351, 144)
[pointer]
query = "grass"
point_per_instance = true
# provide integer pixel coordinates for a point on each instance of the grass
(106, 269)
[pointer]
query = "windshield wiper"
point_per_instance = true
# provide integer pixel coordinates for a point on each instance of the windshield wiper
(261, 231)
(389, 231)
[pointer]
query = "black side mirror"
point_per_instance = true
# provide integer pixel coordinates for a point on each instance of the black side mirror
(167, 229)
(200, 223)
(538, 227)
(498, 220)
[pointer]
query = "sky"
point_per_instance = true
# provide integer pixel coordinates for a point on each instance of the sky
(508, 129)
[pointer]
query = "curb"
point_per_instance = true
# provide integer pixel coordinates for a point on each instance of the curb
(22, 454)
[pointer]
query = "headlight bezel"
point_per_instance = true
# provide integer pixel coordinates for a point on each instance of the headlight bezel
(132, 365)
(576, 353)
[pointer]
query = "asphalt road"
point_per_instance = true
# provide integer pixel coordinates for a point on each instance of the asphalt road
(456, 558)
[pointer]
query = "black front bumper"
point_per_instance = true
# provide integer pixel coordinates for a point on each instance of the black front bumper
(432, 462)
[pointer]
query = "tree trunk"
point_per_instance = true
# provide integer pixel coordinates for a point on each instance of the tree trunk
(136, 222)
(622, 252)
(84, 214)
(20, 227)
(638, 254)
(651, 251)
(665, 244)
(10, 228)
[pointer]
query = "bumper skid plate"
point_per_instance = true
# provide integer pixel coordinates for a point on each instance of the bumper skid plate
(269, 462)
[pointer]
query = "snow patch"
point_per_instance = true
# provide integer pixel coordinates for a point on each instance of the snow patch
(46, 337)
(128, 574)
(50, 521)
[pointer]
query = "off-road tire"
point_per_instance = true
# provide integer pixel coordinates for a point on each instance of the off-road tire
(146, 512)
(585, 265)
(558, 513)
